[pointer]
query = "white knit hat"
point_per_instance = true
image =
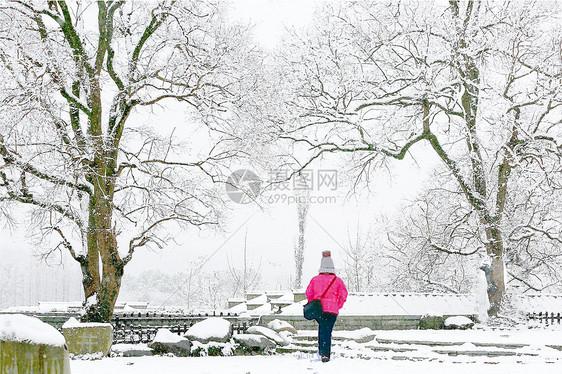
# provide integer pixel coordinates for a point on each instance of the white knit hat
(326, 264)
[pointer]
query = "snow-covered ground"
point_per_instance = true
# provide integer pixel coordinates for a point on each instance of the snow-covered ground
(302, 363)
(411, 351)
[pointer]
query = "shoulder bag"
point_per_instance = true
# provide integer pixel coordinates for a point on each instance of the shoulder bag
(313, 309)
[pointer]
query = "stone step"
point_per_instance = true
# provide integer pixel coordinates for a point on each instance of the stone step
(474, 353)
(308, 346)
(453, 352)
(413, 350)
(311, 338)
(501, 345)
(305, 343)
(293, 348)
(450, 344)
(417, 342)
(386, 348)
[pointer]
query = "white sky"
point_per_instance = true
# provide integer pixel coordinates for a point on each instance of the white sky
(273, 232)
(271, 17)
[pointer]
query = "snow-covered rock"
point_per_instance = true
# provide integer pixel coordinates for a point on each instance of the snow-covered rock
(255, 341)
(268, 333)
(458, 322)
(28, 345)
(131, 350)
(20, 328)
(277, 325)
(212, 329)
(166, 341)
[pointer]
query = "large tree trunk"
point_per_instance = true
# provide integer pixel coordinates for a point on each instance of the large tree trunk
(495, 271)
(104, 268)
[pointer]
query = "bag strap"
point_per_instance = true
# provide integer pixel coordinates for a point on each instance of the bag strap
(330, 285)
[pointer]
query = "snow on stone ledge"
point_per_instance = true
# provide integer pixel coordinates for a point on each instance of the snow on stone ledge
(20, 328)
(294, 309)
(264, 309)
(240, 308)
(74, 323)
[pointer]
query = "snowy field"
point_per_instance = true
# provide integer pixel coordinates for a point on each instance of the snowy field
(301, 363)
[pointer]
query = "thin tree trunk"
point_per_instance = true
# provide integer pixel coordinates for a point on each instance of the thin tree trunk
(303, 205)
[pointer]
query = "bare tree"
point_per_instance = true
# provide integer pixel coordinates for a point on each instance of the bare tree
(302, 197)
(75, 78)
(435, 245)
(478, 82)
(203, 290)
(248, 276)
(360, 262)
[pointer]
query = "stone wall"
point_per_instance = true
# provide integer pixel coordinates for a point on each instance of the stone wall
(401, 322)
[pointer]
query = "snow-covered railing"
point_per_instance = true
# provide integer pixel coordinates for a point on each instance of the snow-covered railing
(144, 316)
(131, 334)
(546, 318)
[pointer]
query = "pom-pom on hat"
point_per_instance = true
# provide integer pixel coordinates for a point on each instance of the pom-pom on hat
(327, 264)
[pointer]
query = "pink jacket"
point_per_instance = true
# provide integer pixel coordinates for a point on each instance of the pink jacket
(334, 298)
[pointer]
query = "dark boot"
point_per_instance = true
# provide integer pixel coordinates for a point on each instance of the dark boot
(325, 358)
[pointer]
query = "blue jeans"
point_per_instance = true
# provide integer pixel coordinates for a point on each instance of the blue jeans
(325, 325)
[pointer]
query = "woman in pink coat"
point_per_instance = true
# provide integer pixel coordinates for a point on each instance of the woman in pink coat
(332, 302)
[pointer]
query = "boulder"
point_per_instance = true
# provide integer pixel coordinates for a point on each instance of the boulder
(28, 346)
(88, 338)
(255, 341)
(278, 325)
(131, 350)
(268, 333)
(458, 323)
(210, 330)
(166, 341)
